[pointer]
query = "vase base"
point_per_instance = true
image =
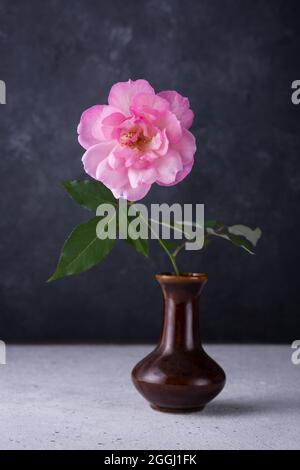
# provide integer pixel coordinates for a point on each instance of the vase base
(177, 410)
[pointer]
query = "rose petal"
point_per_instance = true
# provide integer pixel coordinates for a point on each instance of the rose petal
(121, 93)
(132, 194)
(180, 175)
(168, 167)
(148, 105)
(113, 119)
(95, 155)
(140, 176)
(114, 161)
(110, 177)
(173, 127)
(186, 146)
(149, 157)
(180, 106)
(160, 143)
(89, 127)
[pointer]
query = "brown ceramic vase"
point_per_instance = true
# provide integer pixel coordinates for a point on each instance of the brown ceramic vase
(178, 376)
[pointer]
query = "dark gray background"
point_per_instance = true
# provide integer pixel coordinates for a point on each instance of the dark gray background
(235, 59)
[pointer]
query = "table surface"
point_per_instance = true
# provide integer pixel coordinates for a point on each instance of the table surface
(81, 397)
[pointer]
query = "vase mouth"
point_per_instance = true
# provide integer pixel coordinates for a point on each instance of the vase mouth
(181, 277)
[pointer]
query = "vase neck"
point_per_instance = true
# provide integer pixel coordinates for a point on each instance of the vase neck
(181, 319)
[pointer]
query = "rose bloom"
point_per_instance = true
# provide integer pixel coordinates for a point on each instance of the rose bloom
(138, 139)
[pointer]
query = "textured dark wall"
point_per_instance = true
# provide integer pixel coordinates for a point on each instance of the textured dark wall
(235, 59)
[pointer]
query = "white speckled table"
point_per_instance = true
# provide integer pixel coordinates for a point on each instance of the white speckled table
(81, 397)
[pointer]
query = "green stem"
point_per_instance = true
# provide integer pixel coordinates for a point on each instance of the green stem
(169, 254)
(178, 249)
(171, 257)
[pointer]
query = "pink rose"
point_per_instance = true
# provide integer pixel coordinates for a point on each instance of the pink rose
(138, 139)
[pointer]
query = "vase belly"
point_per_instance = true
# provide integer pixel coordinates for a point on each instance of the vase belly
(179, 375)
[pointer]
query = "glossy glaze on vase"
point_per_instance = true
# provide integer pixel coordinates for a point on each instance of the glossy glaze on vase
(178, 375)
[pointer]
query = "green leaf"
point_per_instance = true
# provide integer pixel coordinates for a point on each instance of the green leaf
(171, 245)
(89, 194)
(82, 250)
(242, 242)
(140, 245)
(251, 235)
(210, 223)
(239, 235)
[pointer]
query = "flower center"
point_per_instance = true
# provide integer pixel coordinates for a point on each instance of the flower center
(134, 138)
